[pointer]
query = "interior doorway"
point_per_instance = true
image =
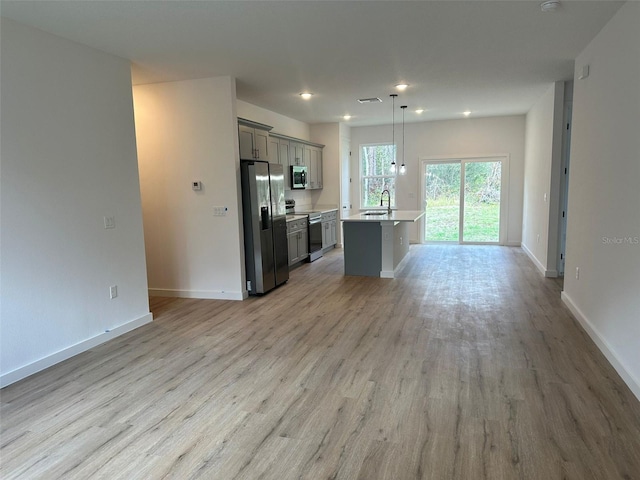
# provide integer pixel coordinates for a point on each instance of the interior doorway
(464, 200)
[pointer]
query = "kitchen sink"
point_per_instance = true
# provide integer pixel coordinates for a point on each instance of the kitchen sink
(374, 213)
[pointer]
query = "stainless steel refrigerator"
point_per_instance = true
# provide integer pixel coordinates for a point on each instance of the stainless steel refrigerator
(265, 225)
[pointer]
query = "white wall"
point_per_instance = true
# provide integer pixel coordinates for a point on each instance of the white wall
(471, 136)
(603, 237)
(187, 131)
(280, 123)
(543, 157)
(68, 159)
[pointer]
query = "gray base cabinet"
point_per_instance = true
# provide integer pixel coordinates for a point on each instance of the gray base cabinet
(298, 240)
(329, 229)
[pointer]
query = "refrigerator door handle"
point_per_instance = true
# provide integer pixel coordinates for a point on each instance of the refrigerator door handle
(265, 218)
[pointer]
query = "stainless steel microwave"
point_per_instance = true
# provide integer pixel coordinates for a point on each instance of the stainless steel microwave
(298, 177)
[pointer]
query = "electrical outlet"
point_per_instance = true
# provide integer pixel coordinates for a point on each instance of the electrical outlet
(113, 291)
(577, 273)
(400, 240)
(110, 222)
(538, 239)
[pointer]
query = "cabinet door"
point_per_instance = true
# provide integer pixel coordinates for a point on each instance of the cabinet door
(274, 150)
(306, 156)
(292, 240)
(261, 144)
(283, 153)
(312, 170)
(295, 157)
(334, 237)
(319, 168)
(303, 244)
(326, 234)
(245, 136)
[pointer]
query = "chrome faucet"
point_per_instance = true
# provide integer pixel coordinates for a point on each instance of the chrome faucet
(389, 198)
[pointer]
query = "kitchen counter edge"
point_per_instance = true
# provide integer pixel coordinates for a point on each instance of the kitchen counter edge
(396, 216)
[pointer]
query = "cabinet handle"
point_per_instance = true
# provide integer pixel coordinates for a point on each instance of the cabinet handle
(257, 153)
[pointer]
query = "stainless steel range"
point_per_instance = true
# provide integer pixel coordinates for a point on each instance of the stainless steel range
(315, 235)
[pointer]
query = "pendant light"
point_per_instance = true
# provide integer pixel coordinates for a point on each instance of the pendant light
(393, 131)
(403, 167)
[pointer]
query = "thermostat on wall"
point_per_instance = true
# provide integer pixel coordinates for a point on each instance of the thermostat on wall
(196, 185)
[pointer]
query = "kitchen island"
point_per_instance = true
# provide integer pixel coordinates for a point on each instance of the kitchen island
(375, 242)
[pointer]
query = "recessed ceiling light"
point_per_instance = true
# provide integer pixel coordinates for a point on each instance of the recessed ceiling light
(402, 86)
(369, 100)
(306, 95)
(466, 113)
(550, 5)
(347, 117)
(419, 111)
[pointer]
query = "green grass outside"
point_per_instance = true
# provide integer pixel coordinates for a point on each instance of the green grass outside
(482, 223)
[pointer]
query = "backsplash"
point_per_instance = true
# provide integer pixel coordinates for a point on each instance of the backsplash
(302, 197)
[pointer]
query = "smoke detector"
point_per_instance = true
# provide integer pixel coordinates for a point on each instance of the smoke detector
(550, 5)
(369, 100)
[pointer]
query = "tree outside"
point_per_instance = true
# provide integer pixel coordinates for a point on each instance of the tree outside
(376, 174)
(481, 202)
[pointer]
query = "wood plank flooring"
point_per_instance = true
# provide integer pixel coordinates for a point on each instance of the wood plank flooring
(466, 366)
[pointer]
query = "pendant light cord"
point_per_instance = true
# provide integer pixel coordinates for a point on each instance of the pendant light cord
(403, 107)
(393, 129)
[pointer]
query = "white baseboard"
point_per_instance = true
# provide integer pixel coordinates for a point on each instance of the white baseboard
(50, 360)
(535, 261)
(203, 294)
(603, 345)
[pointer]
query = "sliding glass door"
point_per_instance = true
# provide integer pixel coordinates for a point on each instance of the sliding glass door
(442, 207)
(463, 200)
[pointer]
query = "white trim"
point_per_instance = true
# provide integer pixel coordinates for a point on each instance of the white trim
(545, 273)
(533, 258)
(202, 294)
(60, 356)
(603, 345)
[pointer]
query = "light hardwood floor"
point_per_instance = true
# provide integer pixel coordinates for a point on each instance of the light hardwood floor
(466, 366)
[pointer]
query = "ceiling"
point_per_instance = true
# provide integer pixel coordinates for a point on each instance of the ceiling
(492, 58)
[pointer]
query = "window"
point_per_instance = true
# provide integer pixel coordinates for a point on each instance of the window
(376, 175)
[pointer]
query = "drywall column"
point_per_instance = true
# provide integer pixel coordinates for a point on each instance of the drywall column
(543, 161)
(187, 132)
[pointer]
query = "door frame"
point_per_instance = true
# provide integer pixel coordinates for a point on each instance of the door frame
(504, 191)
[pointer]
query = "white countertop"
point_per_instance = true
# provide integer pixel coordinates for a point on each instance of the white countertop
(297, 216)
(395, 216)
(316, 208)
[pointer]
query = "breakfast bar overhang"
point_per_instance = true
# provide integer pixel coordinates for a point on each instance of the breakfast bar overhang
(376, 242)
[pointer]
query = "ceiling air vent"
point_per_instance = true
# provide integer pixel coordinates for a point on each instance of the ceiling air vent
(369, 100)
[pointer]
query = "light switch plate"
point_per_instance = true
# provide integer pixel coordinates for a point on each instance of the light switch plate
(219, 211)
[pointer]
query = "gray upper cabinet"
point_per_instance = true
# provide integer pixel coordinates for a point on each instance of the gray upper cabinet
(283, 154)
(254, 140)
(274, 150)
(296, 154)
(256, 143)
(315, 167)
